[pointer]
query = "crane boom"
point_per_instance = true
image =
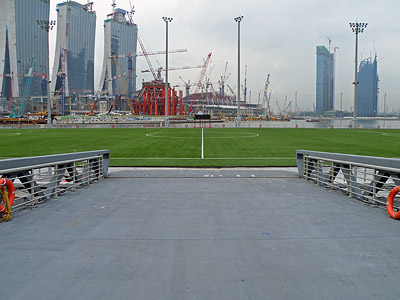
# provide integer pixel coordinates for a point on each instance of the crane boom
(151, 53)
(203, 73)
(147, 58)
(128, 100)
(266, 100)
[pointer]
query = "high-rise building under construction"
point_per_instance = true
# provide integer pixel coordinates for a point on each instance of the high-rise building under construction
(325, 80)
(74, 55)
(23, 44)
(367, 96)
(120, 40)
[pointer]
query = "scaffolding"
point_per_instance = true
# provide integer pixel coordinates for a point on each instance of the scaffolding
(151, 100)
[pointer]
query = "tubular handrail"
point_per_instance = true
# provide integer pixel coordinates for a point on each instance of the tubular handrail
(366, 178)
(40, 178)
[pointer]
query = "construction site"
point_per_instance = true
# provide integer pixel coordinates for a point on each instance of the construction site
(25, 92)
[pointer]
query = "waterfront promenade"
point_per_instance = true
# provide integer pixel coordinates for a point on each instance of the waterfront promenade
(238, 233)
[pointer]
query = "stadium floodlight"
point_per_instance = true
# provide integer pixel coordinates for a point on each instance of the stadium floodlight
(47, 25)
(238, 118)
(356, 28)
(166, 20)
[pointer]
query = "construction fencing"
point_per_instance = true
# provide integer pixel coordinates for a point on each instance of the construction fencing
(366, 178)
(40, 178)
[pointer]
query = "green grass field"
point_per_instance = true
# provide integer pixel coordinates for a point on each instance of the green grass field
(185, 147)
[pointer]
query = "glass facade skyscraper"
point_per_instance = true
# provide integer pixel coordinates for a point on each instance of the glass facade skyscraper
(74, 54)
(325, 80)
(21, 41)
(120, 39)
(367, 97)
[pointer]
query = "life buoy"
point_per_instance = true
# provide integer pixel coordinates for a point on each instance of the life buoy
(10, 192)
(389, 203)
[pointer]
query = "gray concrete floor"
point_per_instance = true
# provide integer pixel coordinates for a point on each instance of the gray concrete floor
(201, 234)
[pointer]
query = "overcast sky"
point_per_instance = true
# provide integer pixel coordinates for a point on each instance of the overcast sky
(277, 38)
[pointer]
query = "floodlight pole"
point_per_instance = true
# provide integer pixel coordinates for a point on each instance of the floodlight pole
(238, 119)
(357, 28)
(166, 20)
(47, 26)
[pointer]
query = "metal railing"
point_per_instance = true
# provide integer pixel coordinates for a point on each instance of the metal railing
(40, 178)
(366, 178)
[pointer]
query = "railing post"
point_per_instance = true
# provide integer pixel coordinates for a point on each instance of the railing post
(32, 189)
(56, 181)
(306, 167)
(351, 180)
(74, 176)
(374, 187)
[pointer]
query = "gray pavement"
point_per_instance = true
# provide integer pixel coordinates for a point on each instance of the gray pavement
(201, 234)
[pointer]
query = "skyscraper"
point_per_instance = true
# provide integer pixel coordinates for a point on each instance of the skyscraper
(367, 98)
(74, 54)
(120, 39)
(325, 80)
(22, 44)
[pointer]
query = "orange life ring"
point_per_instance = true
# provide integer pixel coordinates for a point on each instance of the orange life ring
(389, 203)
(10, 189)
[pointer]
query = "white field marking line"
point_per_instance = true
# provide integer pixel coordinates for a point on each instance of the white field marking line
(202, 143)
(209, 158)
(249, 135)
(384, 134)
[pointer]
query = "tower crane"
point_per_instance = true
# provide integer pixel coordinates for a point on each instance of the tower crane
(159, 70)
(187, 86)
(130, 54)
(223, 80)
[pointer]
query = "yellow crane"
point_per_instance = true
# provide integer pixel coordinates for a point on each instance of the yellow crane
(44, 113)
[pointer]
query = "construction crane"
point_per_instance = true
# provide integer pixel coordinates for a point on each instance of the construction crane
(159, 70)
(187, 86)
(223, 80)
(233, 93)
(27, 88)
(91, 111)
(150, 53)
(245, 84)
(213, 92)
(266, 101)
(199, 82)
(113, 104)
(44, 113)
(128, 100)
(279, 109)
(147, 57)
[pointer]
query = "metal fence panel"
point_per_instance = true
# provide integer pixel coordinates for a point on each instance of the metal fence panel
(40, 178)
